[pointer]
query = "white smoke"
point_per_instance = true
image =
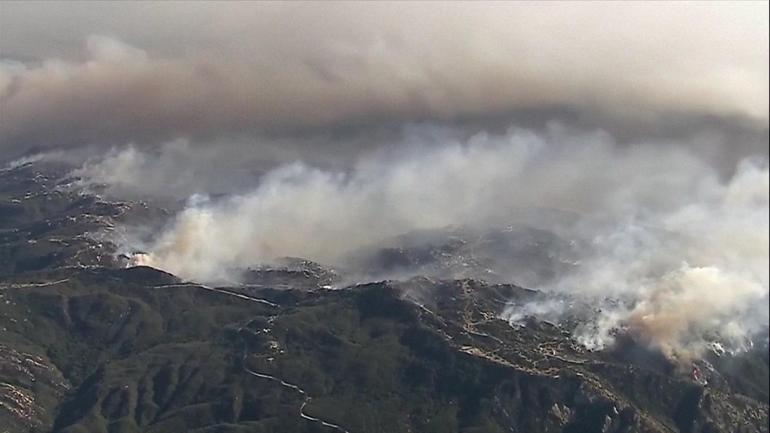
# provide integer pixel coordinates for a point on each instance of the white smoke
(173, 170)
(702, 270)
(684, 250)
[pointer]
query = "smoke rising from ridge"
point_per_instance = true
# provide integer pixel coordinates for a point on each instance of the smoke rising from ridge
(684, 249)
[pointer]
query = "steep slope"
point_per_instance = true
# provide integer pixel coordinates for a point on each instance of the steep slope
(89, 346)
(136, 350)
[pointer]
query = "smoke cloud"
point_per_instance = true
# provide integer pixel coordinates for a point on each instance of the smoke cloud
(678, 253)
(106, 74)
(702, 273)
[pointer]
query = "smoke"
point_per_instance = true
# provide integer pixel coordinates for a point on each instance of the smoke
(706, 274)
(673, 252)
(673, 227)
(177, 169)
(171, 171)
(301, 210)
(107, 74)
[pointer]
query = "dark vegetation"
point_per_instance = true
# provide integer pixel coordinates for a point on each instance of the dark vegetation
(87, 346)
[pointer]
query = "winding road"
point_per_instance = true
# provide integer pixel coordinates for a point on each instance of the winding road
(299, 390)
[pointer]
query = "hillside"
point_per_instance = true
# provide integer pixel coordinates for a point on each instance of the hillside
(87, 345)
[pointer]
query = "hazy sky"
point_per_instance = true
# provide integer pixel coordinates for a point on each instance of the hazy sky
(109, 73)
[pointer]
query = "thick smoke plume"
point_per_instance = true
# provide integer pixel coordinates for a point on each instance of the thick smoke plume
(109, 73)
(671, 194)
(682, 249)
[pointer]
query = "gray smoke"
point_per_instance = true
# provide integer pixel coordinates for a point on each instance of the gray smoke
(109, 73)
(685, 249)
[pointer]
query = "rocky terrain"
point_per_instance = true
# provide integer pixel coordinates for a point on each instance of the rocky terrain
(89, 345)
